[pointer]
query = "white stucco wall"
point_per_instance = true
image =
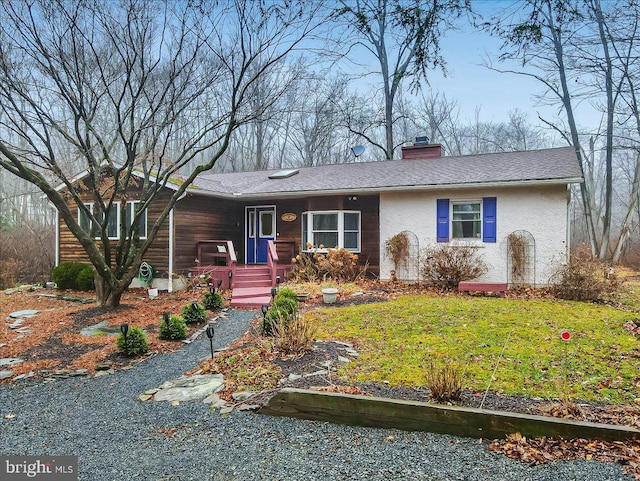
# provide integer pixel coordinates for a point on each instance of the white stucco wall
(542, 211)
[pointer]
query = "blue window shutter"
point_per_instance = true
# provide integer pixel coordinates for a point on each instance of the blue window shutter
(442, 213)
(489, 219)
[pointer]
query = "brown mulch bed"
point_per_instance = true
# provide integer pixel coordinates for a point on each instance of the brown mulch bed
(55, 341)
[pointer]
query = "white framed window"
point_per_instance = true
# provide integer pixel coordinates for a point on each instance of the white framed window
(267, 223)
(132, 205)
(329, 229)
(252, 224)
(466, 220)
(113, 223)
(84, 221)
(113, 227)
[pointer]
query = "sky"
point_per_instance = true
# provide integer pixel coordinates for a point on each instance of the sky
(474, 86)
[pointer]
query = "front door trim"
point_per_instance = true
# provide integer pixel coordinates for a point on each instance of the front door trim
(254, 232)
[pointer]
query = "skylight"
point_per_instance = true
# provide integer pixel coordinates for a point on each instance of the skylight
(284, 174)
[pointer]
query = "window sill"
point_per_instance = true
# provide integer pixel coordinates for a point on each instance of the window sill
(467, 243)
(325, 251)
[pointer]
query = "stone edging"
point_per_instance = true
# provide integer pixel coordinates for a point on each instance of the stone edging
(420, 416)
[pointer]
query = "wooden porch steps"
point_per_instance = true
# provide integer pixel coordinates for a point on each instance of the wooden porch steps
(256, 277)
(250, 297)
(251, 287)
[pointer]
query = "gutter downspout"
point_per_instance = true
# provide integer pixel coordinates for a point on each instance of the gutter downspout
(57, 238)
(171, 242)
(567, 254)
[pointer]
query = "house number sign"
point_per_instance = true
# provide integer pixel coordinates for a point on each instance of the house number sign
(289, 217)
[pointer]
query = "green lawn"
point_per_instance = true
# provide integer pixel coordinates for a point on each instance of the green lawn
(631, 294)
(398, 339)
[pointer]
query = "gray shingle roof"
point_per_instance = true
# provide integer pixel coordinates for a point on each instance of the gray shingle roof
(557, 165)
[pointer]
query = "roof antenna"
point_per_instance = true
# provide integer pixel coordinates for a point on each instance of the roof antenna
(357, 150)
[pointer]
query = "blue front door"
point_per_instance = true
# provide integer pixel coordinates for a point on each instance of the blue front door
(260, 228)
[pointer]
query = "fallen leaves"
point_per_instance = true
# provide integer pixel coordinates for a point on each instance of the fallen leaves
(55, 341)
(543, 450)
(621, 415)
(342, 389)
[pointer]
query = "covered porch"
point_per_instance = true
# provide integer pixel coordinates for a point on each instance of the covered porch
(250, 284)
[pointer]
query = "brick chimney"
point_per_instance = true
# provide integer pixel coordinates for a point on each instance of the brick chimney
(421, 149)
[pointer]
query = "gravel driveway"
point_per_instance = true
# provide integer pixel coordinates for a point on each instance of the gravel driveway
(120, 438)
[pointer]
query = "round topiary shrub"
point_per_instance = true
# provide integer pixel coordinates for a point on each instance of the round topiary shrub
(213, 301)
(173, 329)
(73, 275)
(281, 311)
(84, 279)
(288, 293)
(194, 312)
(134, 343)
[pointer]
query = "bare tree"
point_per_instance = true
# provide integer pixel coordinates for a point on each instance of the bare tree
(404, 37)
(117, 84)
(570, 47)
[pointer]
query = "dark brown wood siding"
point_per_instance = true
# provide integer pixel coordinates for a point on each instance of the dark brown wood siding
(158, 253)
(200, 218)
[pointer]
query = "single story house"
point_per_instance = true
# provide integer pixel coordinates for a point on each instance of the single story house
(498, 203)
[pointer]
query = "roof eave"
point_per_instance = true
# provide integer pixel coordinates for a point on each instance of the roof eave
(374, 190)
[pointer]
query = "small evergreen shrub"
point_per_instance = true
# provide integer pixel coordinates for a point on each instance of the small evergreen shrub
(445, 265)
(585, 279)
(73, 275)
(213, 301)
(172, 329)
(282, 309)
(85, 280)
(194, 312)
(288, 293)
(134, 343)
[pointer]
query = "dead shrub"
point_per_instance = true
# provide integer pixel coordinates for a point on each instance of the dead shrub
(336, 264)
(398, 249)
(27, 254)
(304, 268)
(445, 265)
(585, 279)
(445, 381)
(295, 336)
(517, 249)
(9, 269)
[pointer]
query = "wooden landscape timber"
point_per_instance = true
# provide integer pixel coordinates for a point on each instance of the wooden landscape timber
(419, 416)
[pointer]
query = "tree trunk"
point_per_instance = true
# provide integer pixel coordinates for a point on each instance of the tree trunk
(609, 90)
(625, 231)
(388, 118)
(106, 294)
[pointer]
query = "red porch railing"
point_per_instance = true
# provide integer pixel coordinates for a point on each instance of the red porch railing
(272, 261)
(286, 250)
(216, 258)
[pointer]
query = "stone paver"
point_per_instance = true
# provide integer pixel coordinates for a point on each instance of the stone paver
(23, 314)
(101, 328)
(190, 388)
(10, 361)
